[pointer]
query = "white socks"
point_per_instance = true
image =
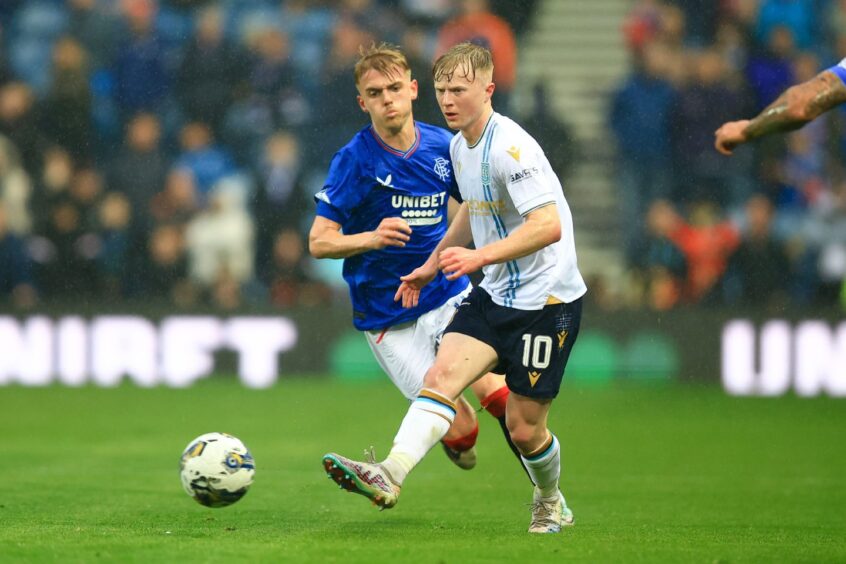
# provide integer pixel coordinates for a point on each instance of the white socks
(544, 467)
(427, 421)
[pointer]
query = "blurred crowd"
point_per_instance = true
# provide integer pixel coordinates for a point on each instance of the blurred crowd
(765, 227)
(169, 149)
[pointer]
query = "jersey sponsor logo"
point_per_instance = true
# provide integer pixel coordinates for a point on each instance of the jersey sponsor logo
(420, 210)
(485, 208)
(522, 175)
(514, 152)
(442, 168)
(533, 377)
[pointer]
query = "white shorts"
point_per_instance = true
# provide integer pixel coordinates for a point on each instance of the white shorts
(406, 351)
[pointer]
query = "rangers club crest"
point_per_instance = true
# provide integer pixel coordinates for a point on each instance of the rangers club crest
(442, 168)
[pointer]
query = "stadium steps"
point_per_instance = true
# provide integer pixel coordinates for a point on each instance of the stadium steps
(577, 48)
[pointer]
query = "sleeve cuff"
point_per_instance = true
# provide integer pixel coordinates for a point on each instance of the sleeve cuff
(840, 71)
(327, 211)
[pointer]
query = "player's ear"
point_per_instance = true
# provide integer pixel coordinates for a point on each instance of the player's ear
(489, 89)
(414, 89)
(361, 104)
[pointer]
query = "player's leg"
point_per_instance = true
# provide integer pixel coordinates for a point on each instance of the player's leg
(492, 393)
(536, 358)
(404, 353)
(541, 455)
(461, 360)
(460, 441)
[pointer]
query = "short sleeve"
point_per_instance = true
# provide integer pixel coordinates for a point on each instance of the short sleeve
(520, 170)
(344, 188)
(840, 70)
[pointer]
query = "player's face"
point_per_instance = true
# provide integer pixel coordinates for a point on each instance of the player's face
(387, 98)
(463, 101)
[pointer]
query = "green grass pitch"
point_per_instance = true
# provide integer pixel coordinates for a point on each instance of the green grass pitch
(653, 474)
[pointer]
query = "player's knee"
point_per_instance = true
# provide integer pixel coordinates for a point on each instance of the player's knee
(522, 436)
(436, 379)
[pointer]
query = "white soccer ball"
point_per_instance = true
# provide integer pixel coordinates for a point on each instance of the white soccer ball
(216, 469)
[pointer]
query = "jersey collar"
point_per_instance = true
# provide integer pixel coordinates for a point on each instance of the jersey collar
(401, 154)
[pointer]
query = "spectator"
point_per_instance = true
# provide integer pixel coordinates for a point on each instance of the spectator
(15, 267)
(220, 245)
(18, 123)
(86, 192)
(662, 261)
(15, 190)
(414, 43)
(273, 79)
(210, 71)
(207, 161)
(114, 216)
(66, 110)
(287, 274)
(140, 168)
(66, 254)
(797, 16)
(475, 23)
(141, 80)
(178, 202)
(707, 242)
(640, 120)
(342, 112)
(759, 271)
(770, 70)
(97, 28)
(699, 109)
(281, 201)
(53, 184)
(166, 272)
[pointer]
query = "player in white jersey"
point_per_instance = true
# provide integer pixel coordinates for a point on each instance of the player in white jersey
(521, 321)
(796, 106)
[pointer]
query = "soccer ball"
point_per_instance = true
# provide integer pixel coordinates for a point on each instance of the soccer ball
(216, 469)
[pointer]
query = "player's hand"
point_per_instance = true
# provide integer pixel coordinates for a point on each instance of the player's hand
(392, 232)
(458, 261)
(412, 283)
(730, 135)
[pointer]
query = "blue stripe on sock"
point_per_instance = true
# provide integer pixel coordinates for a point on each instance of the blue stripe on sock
(544, 453)
(438, 403)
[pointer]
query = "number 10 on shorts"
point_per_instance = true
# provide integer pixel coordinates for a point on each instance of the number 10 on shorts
(539, 348)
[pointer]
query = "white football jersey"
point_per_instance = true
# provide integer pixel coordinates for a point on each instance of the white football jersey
(503, 177)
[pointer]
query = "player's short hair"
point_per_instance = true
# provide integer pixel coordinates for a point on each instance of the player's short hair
(465, 57)
(384, 58)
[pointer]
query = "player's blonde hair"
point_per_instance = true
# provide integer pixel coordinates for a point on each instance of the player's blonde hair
(383, 58)
(467, 58)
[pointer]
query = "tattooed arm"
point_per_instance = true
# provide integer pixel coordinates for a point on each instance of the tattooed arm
(797, 106)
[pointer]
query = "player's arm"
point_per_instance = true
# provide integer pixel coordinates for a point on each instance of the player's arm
(797, 106)
(459, 234)
(541, 228)
(325, 240)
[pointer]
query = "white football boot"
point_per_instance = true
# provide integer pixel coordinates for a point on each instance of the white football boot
(364, 478)
(549, 515)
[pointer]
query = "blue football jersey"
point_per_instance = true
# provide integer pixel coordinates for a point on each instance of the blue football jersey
(369, 181)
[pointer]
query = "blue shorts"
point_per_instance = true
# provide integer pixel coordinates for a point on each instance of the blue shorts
(533, 346)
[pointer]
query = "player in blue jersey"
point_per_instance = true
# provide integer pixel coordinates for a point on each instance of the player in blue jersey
(797, 106)
(383, 209)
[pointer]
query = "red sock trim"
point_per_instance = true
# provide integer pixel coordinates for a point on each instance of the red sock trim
(495, 402)
(466, 442)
